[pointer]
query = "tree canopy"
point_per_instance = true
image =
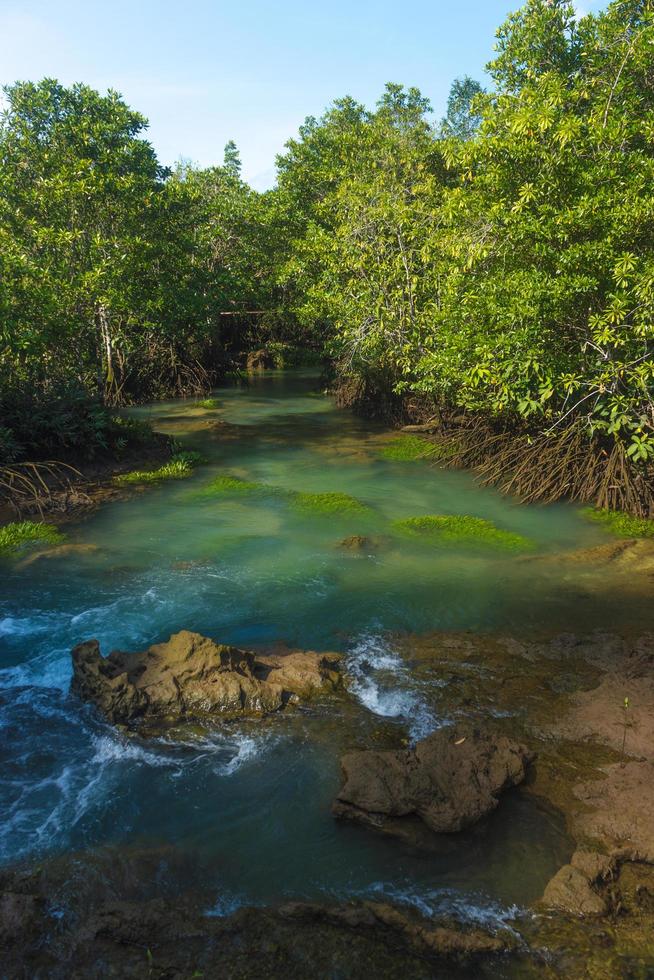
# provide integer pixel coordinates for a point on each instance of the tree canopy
(499, 263)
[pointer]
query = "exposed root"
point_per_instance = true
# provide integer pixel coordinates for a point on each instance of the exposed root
(566, 464)
(30, 486)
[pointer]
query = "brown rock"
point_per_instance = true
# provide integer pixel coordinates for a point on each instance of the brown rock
(191, 675)
(449, 780)
(571, 891)
(618, 811)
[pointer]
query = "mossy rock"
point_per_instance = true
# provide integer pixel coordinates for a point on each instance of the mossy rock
(461, 528)
(180, 466)
(20, 535)
(621, 524)
(405, 448)
(233, 485)
(328, 503)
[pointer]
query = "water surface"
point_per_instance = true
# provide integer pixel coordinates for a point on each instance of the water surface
(250, 803)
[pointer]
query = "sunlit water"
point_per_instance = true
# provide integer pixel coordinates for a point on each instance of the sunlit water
(251, 802)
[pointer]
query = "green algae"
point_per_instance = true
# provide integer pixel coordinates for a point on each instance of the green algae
(180, 466)
(14, 537)
(209, 403)
(461, 528)
(328, 503)
(406, 448)
(621, 524)
(234, 485)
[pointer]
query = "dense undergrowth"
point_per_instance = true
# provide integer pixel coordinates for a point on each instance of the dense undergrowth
(494, 272)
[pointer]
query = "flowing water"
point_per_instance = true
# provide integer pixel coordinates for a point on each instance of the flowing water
(249, 803)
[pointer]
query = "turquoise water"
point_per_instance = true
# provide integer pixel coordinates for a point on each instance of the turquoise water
(250, 803)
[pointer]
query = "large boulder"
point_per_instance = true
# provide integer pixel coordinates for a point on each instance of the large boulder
(193, 676)
(449, 780)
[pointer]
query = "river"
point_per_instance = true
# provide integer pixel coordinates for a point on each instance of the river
(248, 804)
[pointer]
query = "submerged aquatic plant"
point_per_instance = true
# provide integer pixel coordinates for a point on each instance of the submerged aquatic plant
(233, 484)
(15, 536)
(461, 528)
(209, 403)
(328, 503)
(408, 447)
(180, 465)
(624, 525)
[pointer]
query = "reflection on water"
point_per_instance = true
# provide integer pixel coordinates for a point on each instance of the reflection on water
(252, 801)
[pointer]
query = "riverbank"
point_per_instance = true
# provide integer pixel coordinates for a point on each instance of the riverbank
(535, 464)
(68, 490)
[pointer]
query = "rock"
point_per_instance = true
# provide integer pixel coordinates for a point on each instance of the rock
(617, 812)
(600, 714)
(449, 780)
(19, 914)
(259, 360)
(440, 939)
(112, 931)
(355, 542)
(571, 891)
(58, 551)
(193, 676)
(361, 543)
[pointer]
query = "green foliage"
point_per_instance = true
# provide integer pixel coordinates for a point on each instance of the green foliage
(14, 537)
(63, 423)
(328, 503)
(621, 524)
(10, 449)
(463, 119)
(232, 159)
(190, 457)
(114, 271)
(501, 263)
(409, 447)
(287, 355)
(455, 529)
(507, 268)
(180, 466)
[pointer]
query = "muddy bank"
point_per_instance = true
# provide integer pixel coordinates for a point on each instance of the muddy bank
(80, 486)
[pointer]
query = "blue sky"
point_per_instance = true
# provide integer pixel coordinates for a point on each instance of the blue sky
(206, 71)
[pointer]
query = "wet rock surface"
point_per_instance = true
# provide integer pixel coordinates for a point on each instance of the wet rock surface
(192, 676)
(449, 780)
(116, 929)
